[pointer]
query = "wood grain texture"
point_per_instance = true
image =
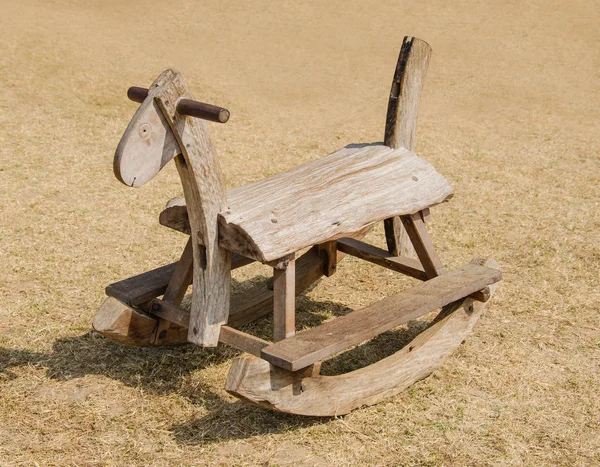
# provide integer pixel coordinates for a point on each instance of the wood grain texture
(401, 122)
(143, 287)
(148, 143)
(255, 380)
(405, 95)
(397, 239)
(180, 317)
(284, 300)
(121, 323)
(246, 307)
(202, 181)
(381, 257)
(341, 333)
(323, 200)
(419, 237)
(329, 251)
(175, 216)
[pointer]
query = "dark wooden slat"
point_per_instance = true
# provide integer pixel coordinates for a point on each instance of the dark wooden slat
(230, 336)
(182, 276)
(341, 333)
(237, 261)
(381, 257)
(144, 287)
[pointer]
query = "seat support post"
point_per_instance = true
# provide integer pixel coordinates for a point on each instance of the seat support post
(284, 297)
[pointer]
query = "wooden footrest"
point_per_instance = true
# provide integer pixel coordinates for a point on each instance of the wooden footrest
(144, 287)
(318, 343)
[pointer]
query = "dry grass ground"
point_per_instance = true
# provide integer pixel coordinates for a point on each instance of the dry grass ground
(509, 116)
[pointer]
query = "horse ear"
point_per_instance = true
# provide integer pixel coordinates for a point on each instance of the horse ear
(148, 143)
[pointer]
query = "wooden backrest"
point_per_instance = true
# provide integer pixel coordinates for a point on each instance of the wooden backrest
(403, 105)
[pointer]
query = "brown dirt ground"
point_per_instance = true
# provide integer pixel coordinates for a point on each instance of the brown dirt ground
(509, 115)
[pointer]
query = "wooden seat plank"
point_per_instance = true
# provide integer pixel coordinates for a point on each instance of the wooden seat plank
(322, 200)
(316, 344)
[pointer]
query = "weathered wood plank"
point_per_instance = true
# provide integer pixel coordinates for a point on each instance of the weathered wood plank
(381, 257)
(136, 328)
(341, 333)
(258, 301)
(143, 287)
(397, 239)
(202, 181)
(482, 295)
(182, 276)
(284, 299)
(326, 199)
(246, 306)
(255, 380)
(405, 95)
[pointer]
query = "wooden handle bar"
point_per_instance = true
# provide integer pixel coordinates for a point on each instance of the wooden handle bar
(186, 106)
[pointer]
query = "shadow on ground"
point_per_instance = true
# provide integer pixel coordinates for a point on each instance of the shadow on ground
(166, 370)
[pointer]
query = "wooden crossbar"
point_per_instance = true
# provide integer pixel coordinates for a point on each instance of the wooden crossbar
(408, 266)
(318, 343)
(230, 336)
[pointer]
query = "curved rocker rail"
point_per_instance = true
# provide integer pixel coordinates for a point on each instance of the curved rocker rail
(255, 380)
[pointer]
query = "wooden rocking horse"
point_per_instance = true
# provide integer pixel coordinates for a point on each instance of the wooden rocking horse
(328, 205)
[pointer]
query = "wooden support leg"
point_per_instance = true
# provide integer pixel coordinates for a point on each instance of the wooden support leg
(329, 251)
(397, 239)
(284, 298)
(180, 281)
(417, 232)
